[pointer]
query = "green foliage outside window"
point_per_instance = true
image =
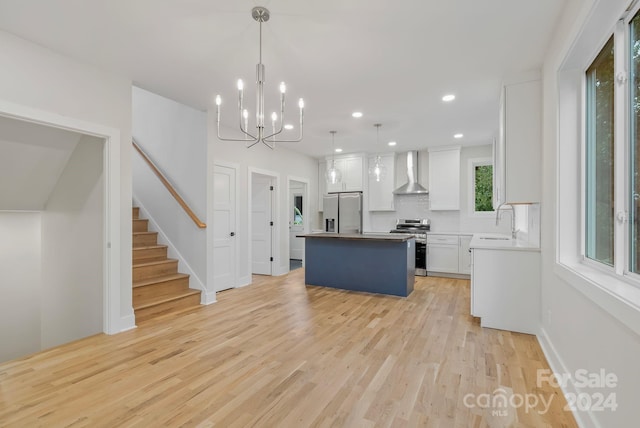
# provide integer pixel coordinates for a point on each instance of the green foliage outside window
(484, 188)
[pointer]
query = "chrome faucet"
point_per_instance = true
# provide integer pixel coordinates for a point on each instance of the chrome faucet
(513, 218)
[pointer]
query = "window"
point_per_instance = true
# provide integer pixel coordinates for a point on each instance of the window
(297, 210)
(600, 204)
(481, 186)
(612, 190)
(634, 146)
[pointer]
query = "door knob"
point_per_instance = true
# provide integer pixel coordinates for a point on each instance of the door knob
(232, 234)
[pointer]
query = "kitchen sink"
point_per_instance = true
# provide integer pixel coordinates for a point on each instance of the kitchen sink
(496, 238)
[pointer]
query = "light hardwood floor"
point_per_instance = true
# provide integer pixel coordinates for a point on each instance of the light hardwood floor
(282, 354)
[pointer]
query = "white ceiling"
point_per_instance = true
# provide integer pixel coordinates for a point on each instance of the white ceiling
(391, 60)
(32, 157)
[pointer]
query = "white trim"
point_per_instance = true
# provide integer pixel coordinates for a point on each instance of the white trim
(558, 366)
(173, 251)
(114, 320)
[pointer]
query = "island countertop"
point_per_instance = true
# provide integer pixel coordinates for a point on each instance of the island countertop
(395, 237)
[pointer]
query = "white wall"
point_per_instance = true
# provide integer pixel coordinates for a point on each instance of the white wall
(578, 333)
(174, 136)
(72, 249)
(417, 206)
(282, 162)
(19, 284)
(36, 78)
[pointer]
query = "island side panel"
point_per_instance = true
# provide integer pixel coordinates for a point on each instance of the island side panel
(375, 266)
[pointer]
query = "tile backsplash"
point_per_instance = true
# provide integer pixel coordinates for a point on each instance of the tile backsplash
(417, 206)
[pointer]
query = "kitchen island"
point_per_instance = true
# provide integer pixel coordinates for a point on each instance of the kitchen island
(375, 263)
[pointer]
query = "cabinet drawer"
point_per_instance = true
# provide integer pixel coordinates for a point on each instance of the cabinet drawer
(443, 239)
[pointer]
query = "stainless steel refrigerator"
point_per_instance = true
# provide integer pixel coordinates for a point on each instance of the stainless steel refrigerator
(342, 212)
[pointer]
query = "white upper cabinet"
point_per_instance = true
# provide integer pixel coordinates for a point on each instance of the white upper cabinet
(351, 168)
(381, 192)
(517, 151)
(444, 178)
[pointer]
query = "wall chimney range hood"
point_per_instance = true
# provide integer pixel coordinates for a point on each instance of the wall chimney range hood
(412, 187)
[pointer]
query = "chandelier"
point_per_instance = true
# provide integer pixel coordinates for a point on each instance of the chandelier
(260, 14)
(378, 171)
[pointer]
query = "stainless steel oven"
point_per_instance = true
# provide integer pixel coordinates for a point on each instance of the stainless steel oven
(418, 228)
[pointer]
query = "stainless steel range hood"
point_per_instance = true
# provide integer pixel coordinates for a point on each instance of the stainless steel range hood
(412, 187)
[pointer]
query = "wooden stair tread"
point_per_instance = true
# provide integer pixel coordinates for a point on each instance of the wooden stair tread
(158, 288)
(149, 247)
(154, 262)
(159, 279)
(164, 299)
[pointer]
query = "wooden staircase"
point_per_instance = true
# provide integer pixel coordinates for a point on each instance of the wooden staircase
(158, 287)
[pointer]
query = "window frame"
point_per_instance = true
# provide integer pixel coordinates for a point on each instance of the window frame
(471, 168)
(622, 114)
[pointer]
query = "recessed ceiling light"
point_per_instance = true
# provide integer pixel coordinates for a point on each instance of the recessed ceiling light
(448, 98)
(338, 150)
(458, 135)
(288, 126)
(356, 114)
(392, 143)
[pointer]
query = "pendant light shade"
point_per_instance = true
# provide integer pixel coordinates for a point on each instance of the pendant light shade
(378, 171)
(333, 175)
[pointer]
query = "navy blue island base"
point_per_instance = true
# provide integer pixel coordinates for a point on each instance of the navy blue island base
(382, 264)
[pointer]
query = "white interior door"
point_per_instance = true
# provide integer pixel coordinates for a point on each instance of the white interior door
(224, 227)
(261, 224)
(296, 220)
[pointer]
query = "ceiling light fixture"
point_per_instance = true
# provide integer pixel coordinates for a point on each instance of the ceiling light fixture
(338, 150)
(288, 126)
(357, 114)
(448, 98)
(333, 174)
(458, 136)
(260, 14)
(392, 143)
(378, 171)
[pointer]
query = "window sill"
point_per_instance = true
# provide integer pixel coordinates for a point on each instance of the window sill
(618, 298)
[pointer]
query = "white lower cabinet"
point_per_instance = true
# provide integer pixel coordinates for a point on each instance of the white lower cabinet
(464, 254)
(442, 253)
(505, 289)
(448, 254)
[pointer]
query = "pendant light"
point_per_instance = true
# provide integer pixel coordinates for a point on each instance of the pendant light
(378, 171)
(333, 174)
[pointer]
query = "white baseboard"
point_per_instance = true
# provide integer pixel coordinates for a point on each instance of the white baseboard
(207, 298)
(194, 280)
(244, 281)
(127, 322)
(583, 419)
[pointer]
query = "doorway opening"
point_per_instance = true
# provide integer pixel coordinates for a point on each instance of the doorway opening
(298, 203)
(53, 251)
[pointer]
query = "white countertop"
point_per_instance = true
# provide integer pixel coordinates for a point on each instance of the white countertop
(492, 241)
